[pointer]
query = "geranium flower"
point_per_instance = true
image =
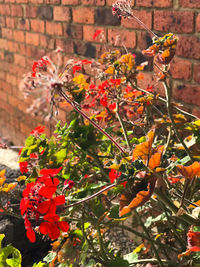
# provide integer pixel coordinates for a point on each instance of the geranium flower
(38, 130)
(23, 166)
(193, 239)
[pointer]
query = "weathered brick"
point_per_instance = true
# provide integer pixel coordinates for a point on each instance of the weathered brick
(83, 15)
(93, 2)
(119, 37)
(54, 28)
(31, 11)
(47, 42)
(23, 24)
(190, 3)
(19, 60)
(32, 38)
(181, 69)
(10, 22)
(196, 72)
(144, 40)
(16, 10)
(188, 46)
(22, 1)
(18, 36)
(88, 32)
(144, 15)
(187, 93)
(74, 31)
(5, 10)
(103, 16)
(84, 49)
(7, 33)
(52, 2)
(154, 3)
(175, 21)
(62, 13)
(2, 21)
(37, 25)
(198, 23)
(66, 45)
(70, 2)
(45, 12)
(8, 56)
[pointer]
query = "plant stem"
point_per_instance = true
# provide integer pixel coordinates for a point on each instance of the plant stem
(90, 197)
(123, 126)
(163, 100)
(148, 261)
(169, 108)
(150, 239)
(61, 93)
(184, 217)
(103, 253)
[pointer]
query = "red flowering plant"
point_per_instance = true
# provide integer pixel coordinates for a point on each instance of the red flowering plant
(126, 152)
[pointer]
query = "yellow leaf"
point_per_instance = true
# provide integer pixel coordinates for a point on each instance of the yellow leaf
(2, 173)
(138, 249)
(197, 123)
(21, 178)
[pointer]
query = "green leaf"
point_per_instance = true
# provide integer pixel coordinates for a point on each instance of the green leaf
(91, 263)
(30, 141)
(16, 259)
(39, 264)
(50, 257)
(61, 155)
(118, 262)
(1, 238)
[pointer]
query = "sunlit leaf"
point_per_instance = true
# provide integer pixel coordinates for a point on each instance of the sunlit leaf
(189, 172)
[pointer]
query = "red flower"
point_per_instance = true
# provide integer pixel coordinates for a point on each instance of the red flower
(193, 239)
(23, 166)
(104, 101)
(113, 175)
(96, 34)
(50, 172)
(52, 226)
(68, 184)
(33, 156)
(76, 68)
(38, 130)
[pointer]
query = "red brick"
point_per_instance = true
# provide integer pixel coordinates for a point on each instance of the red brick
(187, 93)
(22, 1)
(20, 60)
(83, 15)
(181, 69)
(93, 2)
(8, 1)
(16, 11)
(5, 10)
(54, 28)
(188, 46)
(11, 79)
(18, 36)
(6, 33)
(10, 22)
(196, 112)
(36, 1)
(52, 1)
(32, 38)
(88, 32)
(31, 11)
(190, 3)
(62, 13)
(23, 24)
(4, 96)
(144, 40)
(66, 45)
(143, 15)
(198, 23)
(12, 46)
(74, 31)
(196, 72)
(110, 2)
(47, 42)
(2, 21)
(122, 37)
(70, 2)
(154, 3)
(175, 21)
(37, 25)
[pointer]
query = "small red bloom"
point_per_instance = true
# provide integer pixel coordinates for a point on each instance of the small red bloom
(23, 166)
(68, 184)
(33, 156)
(193, 239)
(96, 34)
(104, 101)
(113, 175)
(38, 130)
(76, 68)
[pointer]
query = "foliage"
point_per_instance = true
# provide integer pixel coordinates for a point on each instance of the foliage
(126, 153)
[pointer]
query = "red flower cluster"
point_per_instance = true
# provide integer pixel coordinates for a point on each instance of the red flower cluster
(42, 63)
(39, 201)
(38, 130)
(113, 175)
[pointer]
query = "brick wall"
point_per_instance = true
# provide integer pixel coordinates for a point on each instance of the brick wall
(31, 28)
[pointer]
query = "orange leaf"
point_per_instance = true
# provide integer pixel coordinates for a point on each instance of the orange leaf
(142, 151)
(140, 198)
(155, 159)
(190, 171)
